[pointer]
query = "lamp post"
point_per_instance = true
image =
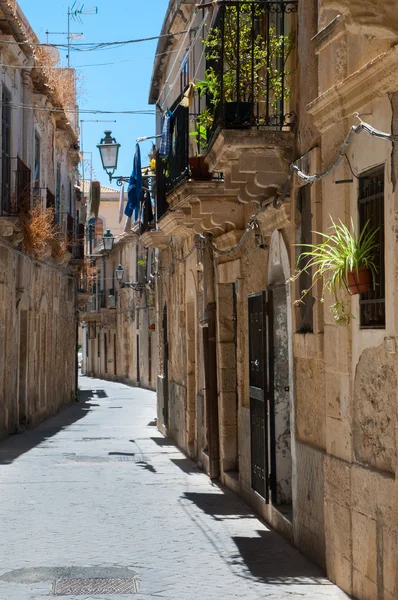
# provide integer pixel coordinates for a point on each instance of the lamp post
(119, 272)
(108, 240)
(109, 151)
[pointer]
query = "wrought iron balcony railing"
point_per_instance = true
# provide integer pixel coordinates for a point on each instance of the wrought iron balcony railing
(249, 65)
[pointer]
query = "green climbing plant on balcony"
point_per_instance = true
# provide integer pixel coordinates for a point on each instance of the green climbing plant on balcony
(254, 64)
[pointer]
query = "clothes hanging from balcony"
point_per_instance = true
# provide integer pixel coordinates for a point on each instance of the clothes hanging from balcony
(121, 203)
(127, 227)
(160, 193)
(95, 198)
(134, 189)
(187, 99)
(146, 214)
(167, 134)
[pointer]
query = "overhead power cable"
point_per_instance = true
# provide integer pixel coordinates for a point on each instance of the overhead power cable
(91, 46)
(82, 110)
(106, 64)
(355, 129)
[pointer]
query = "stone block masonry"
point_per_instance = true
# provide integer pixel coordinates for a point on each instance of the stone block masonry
(38, 341)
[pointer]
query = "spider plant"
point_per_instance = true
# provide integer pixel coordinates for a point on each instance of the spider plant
(340, 253)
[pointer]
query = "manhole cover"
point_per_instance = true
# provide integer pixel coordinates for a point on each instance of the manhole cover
(80, 587)
(89, 459)
(93, 439)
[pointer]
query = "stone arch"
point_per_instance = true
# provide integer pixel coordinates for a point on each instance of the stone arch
(43, 304)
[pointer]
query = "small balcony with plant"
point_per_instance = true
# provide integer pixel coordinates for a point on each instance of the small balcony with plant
(237, 108)
(249, 67)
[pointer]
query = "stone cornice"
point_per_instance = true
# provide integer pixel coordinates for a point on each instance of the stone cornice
(231, 143)
(376, 79)
(228, 240)
(174, 223)
(155, 239)
(190, 191)
(329, 34)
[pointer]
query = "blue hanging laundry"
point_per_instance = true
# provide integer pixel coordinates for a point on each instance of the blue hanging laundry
(134, 189)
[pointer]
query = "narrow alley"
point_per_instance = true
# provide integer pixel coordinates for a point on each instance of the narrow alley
(97, 496)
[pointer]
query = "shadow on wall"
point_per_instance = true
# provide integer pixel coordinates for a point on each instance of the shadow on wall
(16, 445)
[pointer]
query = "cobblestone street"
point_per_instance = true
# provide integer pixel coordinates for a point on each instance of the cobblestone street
(97, 493)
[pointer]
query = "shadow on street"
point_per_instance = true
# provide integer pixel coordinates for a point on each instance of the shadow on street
(16, 445)
(265, 556)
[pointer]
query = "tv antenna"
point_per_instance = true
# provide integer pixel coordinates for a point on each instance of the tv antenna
(75, 13)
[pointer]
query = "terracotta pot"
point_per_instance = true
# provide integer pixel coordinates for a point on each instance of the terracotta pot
(360, 281)
(199, 169)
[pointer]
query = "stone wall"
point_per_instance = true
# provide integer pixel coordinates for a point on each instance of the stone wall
(349, 373)
(38, 338)
(128, 327)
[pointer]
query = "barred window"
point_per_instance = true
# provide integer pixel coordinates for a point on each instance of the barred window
(371, 208)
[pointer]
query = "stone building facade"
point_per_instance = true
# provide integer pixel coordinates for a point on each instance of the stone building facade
(39, 152)
(292, 411)
(119, 341)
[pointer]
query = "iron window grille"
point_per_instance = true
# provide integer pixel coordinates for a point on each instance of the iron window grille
(371, 208)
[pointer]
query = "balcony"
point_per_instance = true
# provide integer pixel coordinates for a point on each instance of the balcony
(241, 107)
(249, 66)
(15, 188)
(85, 292)
(231, 150)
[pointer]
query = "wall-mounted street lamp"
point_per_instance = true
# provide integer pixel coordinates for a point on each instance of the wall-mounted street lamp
(109, 151)
(119, 272)
(108, 240)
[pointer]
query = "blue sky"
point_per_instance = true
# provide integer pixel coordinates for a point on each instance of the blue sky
(119, 86)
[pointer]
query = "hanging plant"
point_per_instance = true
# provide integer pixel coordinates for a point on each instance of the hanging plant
(343, 260)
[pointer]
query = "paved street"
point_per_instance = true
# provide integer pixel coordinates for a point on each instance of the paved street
(97, 496)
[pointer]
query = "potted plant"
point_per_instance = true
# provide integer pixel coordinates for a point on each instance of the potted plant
(343, 260)
(197, 165)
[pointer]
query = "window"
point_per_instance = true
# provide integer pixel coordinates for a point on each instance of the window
(304, 311)
(184, 73)
(371, 208)
(5, 150)
(36, 172)
(97, 230)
